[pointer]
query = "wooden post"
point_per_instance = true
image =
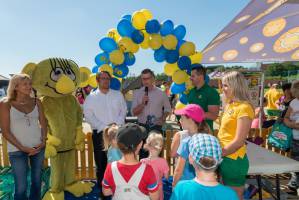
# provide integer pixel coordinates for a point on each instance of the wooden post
(5, 153)
(91, 169)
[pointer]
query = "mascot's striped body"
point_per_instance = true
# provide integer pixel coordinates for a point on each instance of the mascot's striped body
(54, 80)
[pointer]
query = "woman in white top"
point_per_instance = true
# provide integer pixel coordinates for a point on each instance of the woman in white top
(24, 126)
(291, 119)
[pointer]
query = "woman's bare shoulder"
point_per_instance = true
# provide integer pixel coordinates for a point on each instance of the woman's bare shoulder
(4, 103)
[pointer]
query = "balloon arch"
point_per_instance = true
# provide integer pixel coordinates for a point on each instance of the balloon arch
(140, 30)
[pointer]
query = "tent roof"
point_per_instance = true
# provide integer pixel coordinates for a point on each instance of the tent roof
(3, 78)
(264, 31)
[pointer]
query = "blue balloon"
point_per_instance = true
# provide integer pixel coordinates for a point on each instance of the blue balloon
(125, 28)
(184, 62)
(180, 43)
(183, 98)
(102, 58)
(115, 84)
(120, 71)
(107, 44)
(166, 28)
(137, 36)
(160, 54)
(177, 88)
(179, 31)
(152, 26)
(207, 79)
(189, 70)
(172, 56)
(127, 17)
(95, 69)
(129, 59)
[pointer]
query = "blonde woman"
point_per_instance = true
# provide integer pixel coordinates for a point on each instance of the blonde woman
(24, 126)
(235, 126)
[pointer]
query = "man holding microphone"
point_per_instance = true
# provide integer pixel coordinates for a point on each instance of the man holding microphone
(150, 104)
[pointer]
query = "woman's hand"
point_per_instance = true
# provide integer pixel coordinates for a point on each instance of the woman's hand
(40, 146)
(29, 151)
(224, 152)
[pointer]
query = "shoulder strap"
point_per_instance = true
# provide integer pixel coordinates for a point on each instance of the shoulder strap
(36, 104)
(118, 178)
(137, 176)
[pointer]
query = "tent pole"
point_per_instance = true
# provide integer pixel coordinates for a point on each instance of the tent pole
(259, 65)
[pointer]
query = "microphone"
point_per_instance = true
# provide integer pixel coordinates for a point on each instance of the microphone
(146, 93)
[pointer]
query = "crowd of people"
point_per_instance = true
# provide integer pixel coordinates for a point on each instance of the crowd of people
(128, 155)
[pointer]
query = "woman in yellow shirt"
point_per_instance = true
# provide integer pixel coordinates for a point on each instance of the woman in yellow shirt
(235, 126)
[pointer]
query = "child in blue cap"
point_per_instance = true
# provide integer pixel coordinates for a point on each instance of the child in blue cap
(205, 156)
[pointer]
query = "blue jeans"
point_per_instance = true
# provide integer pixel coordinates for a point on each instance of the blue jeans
(20, 167)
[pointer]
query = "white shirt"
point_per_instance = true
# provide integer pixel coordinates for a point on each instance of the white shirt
(294, 116)
(102, 109)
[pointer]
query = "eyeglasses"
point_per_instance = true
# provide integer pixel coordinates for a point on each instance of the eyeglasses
(146, 78)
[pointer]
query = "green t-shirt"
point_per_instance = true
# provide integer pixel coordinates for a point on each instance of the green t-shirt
(204, 97)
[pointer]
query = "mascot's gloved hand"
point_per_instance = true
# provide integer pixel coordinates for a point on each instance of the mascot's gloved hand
(79, 141)
(51, 143)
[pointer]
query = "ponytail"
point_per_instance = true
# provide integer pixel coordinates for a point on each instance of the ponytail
(106, 139)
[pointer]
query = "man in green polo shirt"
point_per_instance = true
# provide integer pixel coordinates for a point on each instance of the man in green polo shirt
(204, 95)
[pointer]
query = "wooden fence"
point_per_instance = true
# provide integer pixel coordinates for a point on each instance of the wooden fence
(85, 166)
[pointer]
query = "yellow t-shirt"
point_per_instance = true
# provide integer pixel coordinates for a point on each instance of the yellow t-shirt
(272, 96)
(228, 128)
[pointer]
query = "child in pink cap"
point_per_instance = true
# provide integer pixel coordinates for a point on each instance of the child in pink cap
(193, 121)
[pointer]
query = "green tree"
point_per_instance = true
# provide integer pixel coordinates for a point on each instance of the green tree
(161, 77)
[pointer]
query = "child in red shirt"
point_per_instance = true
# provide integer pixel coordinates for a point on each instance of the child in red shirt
(128, 178)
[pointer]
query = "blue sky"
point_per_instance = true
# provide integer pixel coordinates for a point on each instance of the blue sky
(33, 30)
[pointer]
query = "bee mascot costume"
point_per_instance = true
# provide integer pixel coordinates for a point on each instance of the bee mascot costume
(55, 80)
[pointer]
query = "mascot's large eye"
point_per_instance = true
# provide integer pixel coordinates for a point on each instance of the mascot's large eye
(70, 74)
(56, 73)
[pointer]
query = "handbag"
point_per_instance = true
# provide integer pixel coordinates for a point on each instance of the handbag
(280, 136)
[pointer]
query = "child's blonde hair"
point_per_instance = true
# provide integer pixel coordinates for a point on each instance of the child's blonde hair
(155, 141)
(109, 134)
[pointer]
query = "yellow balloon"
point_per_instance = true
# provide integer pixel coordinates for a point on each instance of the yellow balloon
(169, 69)
(196, 58)
(147, 14)
(170, 42)
(92, 81)
(144, 44)
(125, 44)
(179, 105)
(116, 57)
(135, 48)
(187, 49)
(112, 33)
(107, 68)
(189, 84)
(84, 76)
(155, 41)
(179, 77)
(139, 20)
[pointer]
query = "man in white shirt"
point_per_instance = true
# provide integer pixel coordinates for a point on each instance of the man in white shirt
(101, 108)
